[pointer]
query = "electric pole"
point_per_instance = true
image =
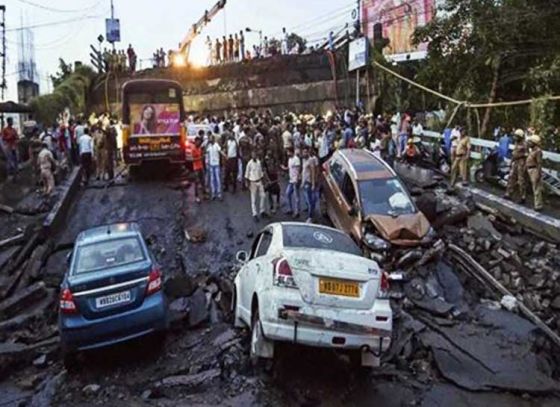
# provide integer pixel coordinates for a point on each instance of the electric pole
(3, 84)
(112, 18)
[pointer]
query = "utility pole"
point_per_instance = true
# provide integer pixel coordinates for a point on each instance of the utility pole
(112, 18)
(3, 84)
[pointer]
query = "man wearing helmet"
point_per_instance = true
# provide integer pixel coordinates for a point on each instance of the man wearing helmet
(534, 168)
(517, 172)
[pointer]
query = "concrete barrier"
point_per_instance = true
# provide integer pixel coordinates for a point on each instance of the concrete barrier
(543, 225)
(57, 215)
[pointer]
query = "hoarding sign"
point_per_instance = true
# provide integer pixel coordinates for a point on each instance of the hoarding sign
(358, 53)
(160, 119)
(396, 20)
(113, 29)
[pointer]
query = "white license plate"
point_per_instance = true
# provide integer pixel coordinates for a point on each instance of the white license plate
(113, 299)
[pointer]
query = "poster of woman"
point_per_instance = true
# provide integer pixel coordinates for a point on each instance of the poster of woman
(160, 119)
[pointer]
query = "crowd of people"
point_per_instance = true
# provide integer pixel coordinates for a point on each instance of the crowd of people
(94, 143)
(251, 151)
(233, 48)
(120, 60)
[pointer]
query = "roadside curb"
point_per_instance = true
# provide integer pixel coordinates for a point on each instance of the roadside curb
(58, 213)
(541, 224)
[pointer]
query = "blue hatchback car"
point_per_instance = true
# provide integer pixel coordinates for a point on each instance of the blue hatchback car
(112, 291)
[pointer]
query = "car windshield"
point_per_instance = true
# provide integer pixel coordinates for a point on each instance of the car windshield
(107, 254)
(385, 197)
(303, 236)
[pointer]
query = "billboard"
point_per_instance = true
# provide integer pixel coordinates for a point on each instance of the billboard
(358, 53)
(160, 119)
(396, 20)
(113, 29)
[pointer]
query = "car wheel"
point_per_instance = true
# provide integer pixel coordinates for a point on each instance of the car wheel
(237, 322)
(260, 346)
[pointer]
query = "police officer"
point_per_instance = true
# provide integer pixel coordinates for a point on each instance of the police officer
(517, 172)
(534, 168)
(461, 158)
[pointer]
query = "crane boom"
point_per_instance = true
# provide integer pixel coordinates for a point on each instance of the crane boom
(185, 45)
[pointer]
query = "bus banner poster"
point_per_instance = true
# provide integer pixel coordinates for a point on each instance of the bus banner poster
(396, 21)
(158, 119)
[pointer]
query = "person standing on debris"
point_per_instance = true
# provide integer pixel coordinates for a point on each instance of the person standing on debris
(309, 176)
(245, 148)
(110, 149)
(230, 48)
(35, 147)
(47, 165)
(272, 183)
(461, 160)
(198, 168)
(517, 171)
(534, 169)
(214, 153)
(254, 176)
(100, 156)
(10, 142)
(85, 146)
(232, 156)
(218, 51)
(241, 45)
(294, 178)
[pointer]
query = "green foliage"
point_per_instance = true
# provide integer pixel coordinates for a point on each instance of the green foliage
(476, 43)
(64, 71)
(70, 93)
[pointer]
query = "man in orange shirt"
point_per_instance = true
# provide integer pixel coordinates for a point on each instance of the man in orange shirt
(198, 168)
(9, 142)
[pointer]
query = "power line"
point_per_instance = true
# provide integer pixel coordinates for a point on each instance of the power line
(30, 3)
(40, 25)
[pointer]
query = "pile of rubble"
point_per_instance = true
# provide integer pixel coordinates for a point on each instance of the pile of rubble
(28, 331)
(525, 264)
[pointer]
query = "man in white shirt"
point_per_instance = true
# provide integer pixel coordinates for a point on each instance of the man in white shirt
(85, 148)
(231, 164)
(417, 129)
(294, 179)
(254, 175)
(214, 152)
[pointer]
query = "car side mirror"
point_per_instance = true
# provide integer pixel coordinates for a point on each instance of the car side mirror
(242, 257)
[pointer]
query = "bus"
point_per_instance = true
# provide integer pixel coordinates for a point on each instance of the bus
(153, 117)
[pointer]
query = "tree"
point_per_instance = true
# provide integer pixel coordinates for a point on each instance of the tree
(493, 50)
(64, 71)
(295, 40)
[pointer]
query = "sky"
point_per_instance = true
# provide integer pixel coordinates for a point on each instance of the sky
(66, 28)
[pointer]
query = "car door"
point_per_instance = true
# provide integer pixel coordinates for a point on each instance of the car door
(333, 197)
(350, 208)
(253, 269)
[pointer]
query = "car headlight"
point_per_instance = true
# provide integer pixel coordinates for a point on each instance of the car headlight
(376, 243)
(431, 235)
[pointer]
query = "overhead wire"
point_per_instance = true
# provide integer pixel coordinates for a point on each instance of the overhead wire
(48, 8)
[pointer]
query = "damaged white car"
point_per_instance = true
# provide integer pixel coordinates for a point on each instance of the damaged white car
(310, 285)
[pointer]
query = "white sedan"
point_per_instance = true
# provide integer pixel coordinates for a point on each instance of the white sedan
(310, 285)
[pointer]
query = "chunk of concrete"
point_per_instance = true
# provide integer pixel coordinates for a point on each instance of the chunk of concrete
(199, 308)
(22, 299)
(192, 380)
(180, 285)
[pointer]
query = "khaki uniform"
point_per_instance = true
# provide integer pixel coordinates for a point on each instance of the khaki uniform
(46, 163)
(100, 153)
(461, 160)
(517, 172)
(534, 168)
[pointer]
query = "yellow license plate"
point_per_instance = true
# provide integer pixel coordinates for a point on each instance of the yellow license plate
(339, 287)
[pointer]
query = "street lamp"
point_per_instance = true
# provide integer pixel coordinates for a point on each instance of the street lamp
(250, 30)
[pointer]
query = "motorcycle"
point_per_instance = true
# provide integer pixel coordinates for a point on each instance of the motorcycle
(493, 170)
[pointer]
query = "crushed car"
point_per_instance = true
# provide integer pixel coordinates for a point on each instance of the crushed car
(111, 292)
(365, 198)
(310, 285)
